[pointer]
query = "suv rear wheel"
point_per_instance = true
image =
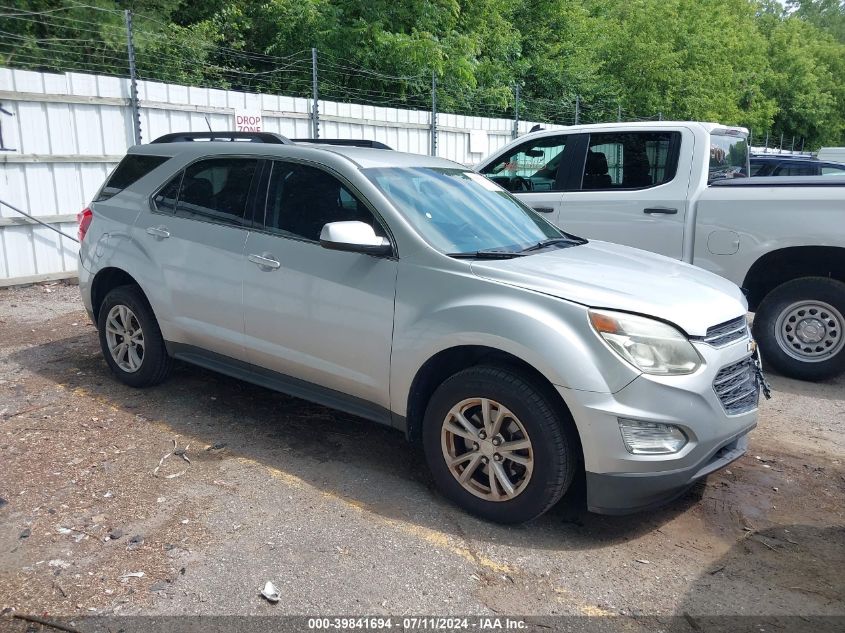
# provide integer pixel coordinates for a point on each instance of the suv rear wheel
(131, 339)
(497, 446)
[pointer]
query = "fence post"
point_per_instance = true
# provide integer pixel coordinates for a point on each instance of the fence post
(619, 112)
(433, 145)
(315, 96)
(515, 132)
(577, 109)
(133, 79)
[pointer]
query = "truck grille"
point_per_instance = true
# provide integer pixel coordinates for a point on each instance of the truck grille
(737, 387)
(728, 332)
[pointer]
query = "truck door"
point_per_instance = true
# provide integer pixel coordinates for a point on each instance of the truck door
(532, 171)
(632, 190)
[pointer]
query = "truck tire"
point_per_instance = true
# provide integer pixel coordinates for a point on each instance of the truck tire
(800, 328)
(130, 338)
(497, 445)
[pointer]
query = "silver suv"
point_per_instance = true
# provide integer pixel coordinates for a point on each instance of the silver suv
(414, 292)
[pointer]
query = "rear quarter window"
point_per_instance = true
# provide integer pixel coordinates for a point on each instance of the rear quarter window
(132, 168)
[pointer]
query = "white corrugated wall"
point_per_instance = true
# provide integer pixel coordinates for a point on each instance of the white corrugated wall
(67, 131)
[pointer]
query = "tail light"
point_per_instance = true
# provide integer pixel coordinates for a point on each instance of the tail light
(83, 219)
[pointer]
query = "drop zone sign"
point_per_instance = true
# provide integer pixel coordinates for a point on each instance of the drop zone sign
(249, 121)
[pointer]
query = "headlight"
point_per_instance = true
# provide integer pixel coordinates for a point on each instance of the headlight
(649, 345)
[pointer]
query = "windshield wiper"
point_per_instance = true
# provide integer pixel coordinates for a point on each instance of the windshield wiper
(488, 254)
(572, 241)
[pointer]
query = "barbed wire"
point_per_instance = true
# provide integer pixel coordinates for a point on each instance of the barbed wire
(166, 55)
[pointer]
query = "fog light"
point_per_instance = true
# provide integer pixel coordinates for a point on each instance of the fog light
(651, 438)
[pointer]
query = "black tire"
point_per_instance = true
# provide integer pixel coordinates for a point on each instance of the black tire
(553, 438)
(155, 362)
(777, 303)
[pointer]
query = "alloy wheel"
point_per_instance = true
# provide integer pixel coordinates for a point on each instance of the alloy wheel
(487, 449)
(125, 338)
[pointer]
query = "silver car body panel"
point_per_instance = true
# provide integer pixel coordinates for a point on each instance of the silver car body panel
(361, 327)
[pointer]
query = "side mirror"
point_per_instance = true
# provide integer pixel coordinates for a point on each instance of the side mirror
(355, 237)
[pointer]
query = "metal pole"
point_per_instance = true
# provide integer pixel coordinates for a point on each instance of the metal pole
(793, 144)
(577, 109)
(802, 144)
(660, 116)
(619, 112)
(750, 137)
(315, 95)
(433, 148)
(515, 132)
(766, 146)
(37, 221)
(133, 79)
(780, 149)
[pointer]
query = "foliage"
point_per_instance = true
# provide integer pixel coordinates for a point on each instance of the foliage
(775, 68)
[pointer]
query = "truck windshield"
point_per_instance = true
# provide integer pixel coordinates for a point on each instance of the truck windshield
(461, 212)
(728, 157)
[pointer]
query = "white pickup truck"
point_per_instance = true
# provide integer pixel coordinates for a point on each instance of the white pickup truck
(679, 189)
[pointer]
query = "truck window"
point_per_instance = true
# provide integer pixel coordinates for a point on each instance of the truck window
(532, 166)
(728, 157)
(833, 170)
(630, 160)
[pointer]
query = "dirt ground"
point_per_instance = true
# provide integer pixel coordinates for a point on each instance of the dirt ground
(341, 514)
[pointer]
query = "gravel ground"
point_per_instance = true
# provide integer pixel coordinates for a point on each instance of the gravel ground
(341, 515)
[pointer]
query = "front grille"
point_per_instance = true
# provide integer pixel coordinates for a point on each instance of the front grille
(724, 333)
(737, 387)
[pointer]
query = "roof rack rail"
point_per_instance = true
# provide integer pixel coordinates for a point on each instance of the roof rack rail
(348, 142)
(252, 137)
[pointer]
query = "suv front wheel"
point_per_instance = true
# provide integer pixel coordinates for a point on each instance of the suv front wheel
(497, 446)
(130, 338)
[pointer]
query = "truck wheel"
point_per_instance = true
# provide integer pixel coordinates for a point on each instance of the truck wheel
(131, 339)
(800, 328)
(497, 446)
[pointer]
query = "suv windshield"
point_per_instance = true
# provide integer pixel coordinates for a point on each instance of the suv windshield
(728, 157)
(461, 212)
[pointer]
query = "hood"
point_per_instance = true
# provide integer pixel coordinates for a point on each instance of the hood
(605, 275)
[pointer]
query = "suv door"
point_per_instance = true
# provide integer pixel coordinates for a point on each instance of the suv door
(196, 234)
(633, 190)
(533, 171)
(323, 316)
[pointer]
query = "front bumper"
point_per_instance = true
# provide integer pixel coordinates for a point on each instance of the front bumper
(619, 482)
(624, 493)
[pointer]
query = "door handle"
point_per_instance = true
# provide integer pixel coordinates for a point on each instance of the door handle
(160, 232)
(265, 262)
(662, 210)
(543, 209)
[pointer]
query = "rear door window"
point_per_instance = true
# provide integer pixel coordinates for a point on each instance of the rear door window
(796, 169)
(833, 170)
(216, 189)
(630, 160)
(132, 168)
(532, 166)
